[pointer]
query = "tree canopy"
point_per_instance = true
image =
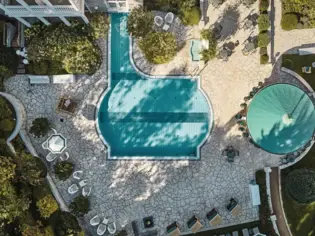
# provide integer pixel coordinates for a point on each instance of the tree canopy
(140, 22)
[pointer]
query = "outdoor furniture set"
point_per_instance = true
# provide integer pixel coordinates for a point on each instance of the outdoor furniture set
(55, 144)
(230, 153)
(213, 217)
(74, 188)
(169, 18)
(103, 225)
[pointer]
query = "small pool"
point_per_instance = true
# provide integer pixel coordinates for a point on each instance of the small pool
(195, 49)
(149, 118)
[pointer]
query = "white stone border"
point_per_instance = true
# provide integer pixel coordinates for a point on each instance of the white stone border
(303, 81)
(210, 123)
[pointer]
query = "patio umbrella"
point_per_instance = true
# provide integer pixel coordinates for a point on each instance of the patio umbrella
(57, 143)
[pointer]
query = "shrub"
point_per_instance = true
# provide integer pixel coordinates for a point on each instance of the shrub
(40, 127)
(66, 224)
(41, 67)
(64, 169)
(263, 5)
(7, 125)
(263, 51)
(34, 31)
(121, 233)
(248, 3)
(190, 16)
(99, 24)
(289, 21)
(37, 230)
(80, 206)
(158, 47)
(263, 39)
(263, 22)
(7, 169)
(56, 68)
(264, 59)
(9, 59)
(216, 3)
(300, 185)
(140, 22)
(47, 206)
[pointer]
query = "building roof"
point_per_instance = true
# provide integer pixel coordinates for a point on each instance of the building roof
(281, 118)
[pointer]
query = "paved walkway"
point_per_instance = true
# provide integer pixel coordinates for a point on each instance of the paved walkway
(277, 204)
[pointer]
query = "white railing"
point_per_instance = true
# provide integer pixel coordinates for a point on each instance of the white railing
(43, 10)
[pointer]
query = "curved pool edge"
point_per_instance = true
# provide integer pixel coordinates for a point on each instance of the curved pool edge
(101, 98)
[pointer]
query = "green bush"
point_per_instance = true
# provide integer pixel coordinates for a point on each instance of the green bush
(140, 22)
(80, 206)
(121, 233)
(263, 5)
(9, 59)
(56, 68)
(263, 22)
(41, 67)
(190, 16)
(7, 125)
(64, 169)
(263, 51)
(99, 25)
(40, 127)
(158, 47)
(263, 39)
(34, 31)
(7, 169)
(211, 52)
(47, 206)
(66, 224)
(264, 59)
(300, 185)
(37, 230)
(289, 21)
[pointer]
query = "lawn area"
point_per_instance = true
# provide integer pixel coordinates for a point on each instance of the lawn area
(300, 217)
(229, 230)
(296, 62)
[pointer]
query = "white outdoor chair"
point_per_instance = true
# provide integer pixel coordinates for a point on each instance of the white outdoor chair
(55, 131)
(77, 174)
(101, 229)
(73, 189)
(66, 157)
(45, 145)
(86, 191)
(51, 157)
(96, 220)
(112, 228)
(166, 27)
(158, 21)
(169, 18)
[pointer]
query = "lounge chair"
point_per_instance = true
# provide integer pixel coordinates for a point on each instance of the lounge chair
(101, 229)
(169, 18)
(233, 207)
(73, 189)
(96, 220)
(194, 224)
(112, 228)
(158, 21)
(173, 229)
(245, 232)
(39, 79)
(51, 157)
(307, 69)
(235, 233)
(77, 174)
(256, 230)
(45, 145)
(86, 191)
(66, 157)
(214, 218)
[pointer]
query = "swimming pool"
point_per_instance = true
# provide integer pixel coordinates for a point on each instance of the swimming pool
(149, 118)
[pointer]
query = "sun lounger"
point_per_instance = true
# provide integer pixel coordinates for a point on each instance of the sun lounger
(234, 207)
(169, 18)
(101, 229)
(95, 220)
(158, 21)
(235, 233)
(245, 232)
(39, 79)
(214, 217)
(194, 224)
(63, 79)
(307, 69)
(73, 189)
(256, 230)
(86, 191)
(112, 228)
(173, 229)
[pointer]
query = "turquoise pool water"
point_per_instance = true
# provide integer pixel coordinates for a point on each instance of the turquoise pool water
(142, 117)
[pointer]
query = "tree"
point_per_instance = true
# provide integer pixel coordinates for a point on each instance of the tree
(263, 39)
(7, 125)
(300, 185)
(159, 47)
(191, 16)
(80, 206)
(37, 230)
(32, 169)
(99, 24)
(263, 5)
(40, 127)
(289, 21)
(47, 206)
(64, 169)
(211, 52)
(140, 22)
(7, 169)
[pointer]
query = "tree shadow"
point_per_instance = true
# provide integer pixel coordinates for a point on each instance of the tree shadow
(89, 111)
(229, 22)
